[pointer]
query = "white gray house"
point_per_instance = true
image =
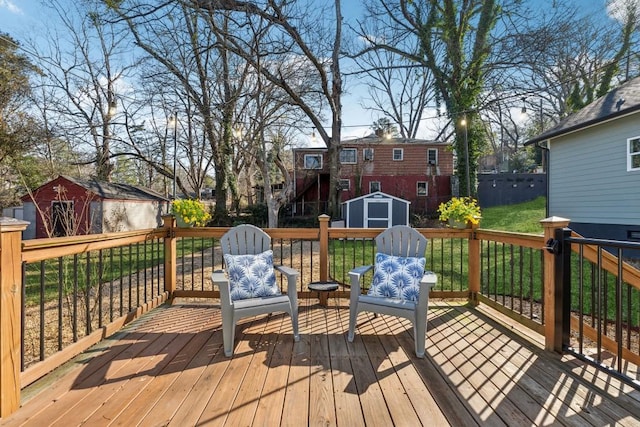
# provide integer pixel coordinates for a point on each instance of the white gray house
(594, 166)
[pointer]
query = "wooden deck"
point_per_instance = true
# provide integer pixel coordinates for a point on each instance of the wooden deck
(168, 368)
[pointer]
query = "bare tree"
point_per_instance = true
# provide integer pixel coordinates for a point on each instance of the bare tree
(85, 62)
(181, 39)
(454, 42)
(567, 58)
(398, 88)
(299, 49)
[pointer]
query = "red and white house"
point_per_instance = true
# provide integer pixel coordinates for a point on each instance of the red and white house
(415, 170)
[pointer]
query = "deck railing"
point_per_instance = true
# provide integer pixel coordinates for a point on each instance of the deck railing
(79, 290)
(600, 300)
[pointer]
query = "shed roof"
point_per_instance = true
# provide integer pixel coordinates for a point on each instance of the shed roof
(377, 194)
(621, 101)
(111, 190)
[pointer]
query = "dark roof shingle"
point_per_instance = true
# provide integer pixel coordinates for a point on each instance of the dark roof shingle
(112, 190)
(620, 101)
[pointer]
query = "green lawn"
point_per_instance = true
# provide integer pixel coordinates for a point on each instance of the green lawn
(525, 218)
(522, 217)
(45, 278)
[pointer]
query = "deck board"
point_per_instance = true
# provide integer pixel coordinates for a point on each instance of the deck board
(322, 410)
(168, 368)
(269, 410)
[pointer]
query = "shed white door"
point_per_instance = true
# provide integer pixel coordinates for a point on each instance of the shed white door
(377, 213)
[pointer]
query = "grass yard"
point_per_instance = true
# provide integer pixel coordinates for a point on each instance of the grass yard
(43, 279)
(521, 218)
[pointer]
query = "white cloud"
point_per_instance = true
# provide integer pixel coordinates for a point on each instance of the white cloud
(10, 6)
(617, 9)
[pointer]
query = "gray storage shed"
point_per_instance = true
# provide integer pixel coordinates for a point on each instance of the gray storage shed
(375, 210)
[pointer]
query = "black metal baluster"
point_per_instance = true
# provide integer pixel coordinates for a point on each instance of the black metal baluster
(42, 297)
(121, 276)
(137, 275)
(581, 299)
(86, 295)
(144, 270)
(618, 333)
(60, 290)
(193, 265)
(23, 313)
(75, 298)
(111, 285)
(99, 284)
(130, 276)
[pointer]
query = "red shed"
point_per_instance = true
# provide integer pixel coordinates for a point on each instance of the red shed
(68, 206)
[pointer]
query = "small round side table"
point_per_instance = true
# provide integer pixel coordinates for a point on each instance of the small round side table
(323, 289)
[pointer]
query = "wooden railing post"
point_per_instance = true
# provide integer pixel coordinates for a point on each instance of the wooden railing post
(550, 321)
(10, 307)
(474, 267)
(324, 247)
(170, 256)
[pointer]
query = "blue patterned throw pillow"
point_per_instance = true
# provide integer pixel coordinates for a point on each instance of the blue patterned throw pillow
(251, 276)
(397, 277)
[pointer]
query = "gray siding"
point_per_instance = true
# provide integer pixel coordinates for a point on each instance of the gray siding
(400, 213)
(356, 214)
(589, 181)
(29, 214)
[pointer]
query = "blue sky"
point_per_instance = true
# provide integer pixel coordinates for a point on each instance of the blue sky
(23, 18)
(18, 16)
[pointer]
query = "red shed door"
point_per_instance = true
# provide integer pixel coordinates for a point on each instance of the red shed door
(62, 216)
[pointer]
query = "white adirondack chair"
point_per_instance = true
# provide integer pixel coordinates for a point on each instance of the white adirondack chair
(399, 241)
(250, 240)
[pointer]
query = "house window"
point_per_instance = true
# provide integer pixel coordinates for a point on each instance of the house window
(348, 156)
(421, 188)
(367, 154)
(397, 154)
(633, 153)
(374, 186)
(313, 161)
(432, 156)
(345, 184)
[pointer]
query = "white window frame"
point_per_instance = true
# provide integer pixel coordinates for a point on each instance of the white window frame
(354, 152)
(429, 161)
(426, 189)
(400, 151)
(633, 155)
(345, 184)
(371, 183)
(309, 156)
(367, 154)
